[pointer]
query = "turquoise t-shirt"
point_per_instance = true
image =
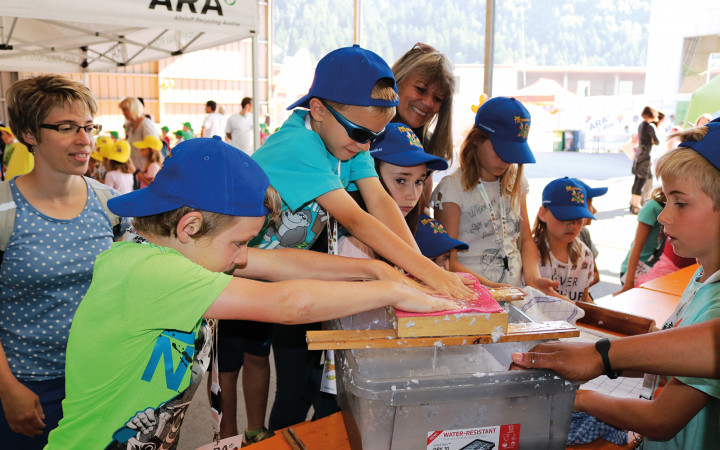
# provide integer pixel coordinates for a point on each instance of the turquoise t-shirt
(648, 215)
(700, 302)
(301, 169)
(138, 347)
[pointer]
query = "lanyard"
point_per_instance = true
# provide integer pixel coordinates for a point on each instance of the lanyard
(714, 278)
(332, 227)
(503, 219)
(215, 409)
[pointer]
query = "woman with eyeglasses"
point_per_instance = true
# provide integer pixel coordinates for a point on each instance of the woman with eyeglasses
(53, 224)
(426, 85)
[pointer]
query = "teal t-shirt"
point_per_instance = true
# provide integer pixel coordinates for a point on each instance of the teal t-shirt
(301, 169)
(700, 302)
(648, 215)
(138, 347)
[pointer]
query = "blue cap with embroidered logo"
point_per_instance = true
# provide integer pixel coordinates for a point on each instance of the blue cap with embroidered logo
(347, 76)
(398, 145)
(507, 122)
(709, 146)
(590, 191)
(202, 173)
(433, 240)
(566, 199)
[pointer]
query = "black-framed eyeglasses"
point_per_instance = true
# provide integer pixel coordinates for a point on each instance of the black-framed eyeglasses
(357, 133)
(68, 128)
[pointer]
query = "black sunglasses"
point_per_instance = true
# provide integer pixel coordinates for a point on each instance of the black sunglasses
(357, 133)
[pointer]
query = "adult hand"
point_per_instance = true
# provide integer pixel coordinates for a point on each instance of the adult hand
(571, 360)
(23, 411)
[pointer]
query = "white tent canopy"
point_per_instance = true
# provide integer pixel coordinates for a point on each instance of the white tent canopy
(98, 35)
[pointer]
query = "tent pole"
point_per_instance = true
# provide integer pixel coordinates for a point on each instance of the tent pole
(489, 45)
(357, 25)
(255, 91)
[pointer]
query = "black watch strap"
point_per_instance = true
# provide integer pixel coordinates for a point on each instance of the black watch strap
(603, 346)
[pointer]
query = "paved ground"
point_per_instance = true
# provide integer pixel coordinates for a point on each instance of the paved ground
(612, 233)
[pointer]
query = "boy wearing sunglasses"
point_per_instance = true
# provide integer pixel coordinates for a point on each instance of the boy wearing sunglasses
(319, 154)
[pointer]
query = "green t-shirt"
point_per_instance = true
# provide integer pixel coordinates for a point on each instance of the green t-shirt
(138, 347)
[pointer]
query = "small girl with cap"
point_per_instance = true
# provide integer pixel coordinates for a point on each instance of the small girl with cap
(484, 204)
(94, 164)
(563, 256)
(120, 169)
(402, 166)
(150, 151)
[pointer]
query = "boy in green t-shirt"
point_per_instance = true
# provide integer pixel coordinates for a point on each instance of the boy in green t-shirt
(139, 343)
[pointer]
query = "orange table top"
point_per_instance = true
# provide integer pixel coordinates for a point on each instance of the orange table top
(672, 283)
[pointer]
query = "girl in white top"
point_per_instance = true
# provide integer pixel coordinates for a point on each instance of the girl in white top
(484, 205)
(120, 168)
(563, 256)
(402, 166)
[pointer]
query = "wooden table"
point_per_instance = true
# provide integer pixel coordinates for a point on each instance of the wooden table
(642, 302)
(656, 300)
(673, 283)
(328, 432)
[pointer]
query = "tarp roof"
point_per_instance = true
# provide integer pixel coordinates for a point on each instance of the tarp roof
(705, 99)
(98, 35)
(544, 91)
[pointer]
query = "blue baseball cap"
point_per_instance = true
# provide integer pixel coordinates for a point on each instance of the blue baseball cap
(591, 192)
(566, 199)
(433, 240)
(709, 146)
(202, 173)
(347, 76)
(400, 146)
(507, 122)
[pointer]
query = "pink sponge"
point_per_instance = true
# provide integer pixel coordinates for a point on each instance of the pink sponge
(483, 304)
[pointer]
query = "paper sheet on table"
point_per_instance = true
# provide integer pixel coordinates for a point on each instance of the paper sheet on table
(622, 387)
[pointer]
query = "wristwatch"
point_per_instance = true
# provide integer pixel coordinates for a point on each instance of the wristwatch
(603, 346)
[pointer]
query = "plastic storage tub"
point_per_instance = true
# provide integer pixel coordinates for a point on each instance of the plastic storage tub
(448, 398)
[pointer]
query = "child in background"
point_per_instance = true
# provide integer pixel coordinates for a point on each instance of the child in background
(140, 344)
(150, 151)
(434, 241)
(402, 166)
(564, 257)
(8, 142)
(120, 169)
(685, 414)
(311, 160)
(179, 136)
(165, 130)
(94, 163)
(648, 244)
(484, 203)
